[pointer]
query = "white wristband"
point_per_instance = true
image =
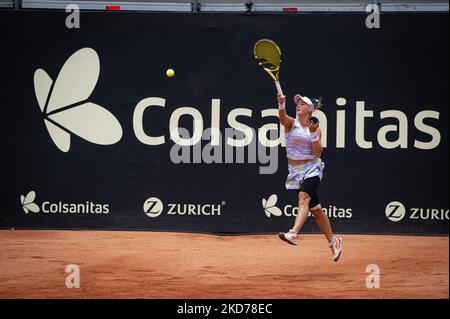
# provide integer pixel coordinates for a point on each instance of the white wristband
(282, 106)
(314, 137)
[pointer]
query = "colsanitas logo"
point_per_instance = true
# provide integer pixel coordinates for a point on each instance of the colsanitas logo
(66, 111)
(87, 207)
(28, 203)
(65, 107)
(153, 207)
(396, 211)
(270, 209)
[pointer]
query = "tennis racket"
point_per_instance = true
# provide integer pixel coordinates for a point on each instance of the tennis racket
(268, 56)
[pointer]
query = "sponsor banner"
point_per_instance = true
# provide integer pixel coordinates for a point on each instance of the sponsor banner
(97, 136)
(29, 205)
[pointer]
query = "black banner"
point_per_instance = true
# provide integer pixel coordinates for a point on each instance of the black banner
(92, 124)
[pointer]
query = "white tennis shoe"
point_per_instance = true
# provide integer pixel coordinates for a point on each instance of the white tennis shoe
(336, 248)
(289, 237)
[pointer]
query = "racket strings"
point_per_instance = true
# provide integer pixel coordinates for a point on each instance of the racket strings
(267, 54)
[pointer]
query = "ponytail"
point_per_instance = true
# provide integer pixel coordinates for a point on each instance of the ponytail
(317, 103)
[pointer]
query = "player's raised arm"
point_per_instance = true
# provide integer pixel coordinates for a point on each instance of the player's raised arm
(285, 119)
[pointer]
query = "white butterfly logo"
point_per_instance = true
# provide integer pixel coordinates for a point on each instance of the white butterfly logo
(27, 203)
(64, 104)
(269, 206)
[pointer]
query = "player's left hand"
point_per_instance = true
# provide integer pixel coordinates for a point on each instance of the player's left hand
(312, 127)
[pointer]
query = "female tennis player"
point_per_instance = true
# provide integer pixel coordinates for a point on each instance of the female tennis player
(303, 148)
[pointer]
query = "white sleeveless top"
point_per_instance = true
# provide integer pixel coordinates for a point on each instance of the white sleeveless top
(298, 143)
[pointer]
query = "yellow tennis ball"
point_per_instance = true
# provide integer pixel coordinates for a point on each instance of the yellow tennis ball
(170, 73)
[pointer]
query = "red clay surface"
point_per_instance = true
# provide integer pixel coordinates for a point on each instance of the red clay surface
(178, 265)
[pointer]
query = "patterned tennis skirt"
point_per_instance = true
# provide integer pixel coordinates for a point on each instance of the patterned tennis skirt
(298, 173)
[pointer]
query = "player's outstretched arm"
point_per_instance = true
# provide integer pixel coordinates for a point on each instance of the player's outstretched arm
(285, 119)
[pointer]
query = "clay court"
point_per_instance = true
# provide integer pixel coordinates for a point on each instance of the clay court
(119, 264)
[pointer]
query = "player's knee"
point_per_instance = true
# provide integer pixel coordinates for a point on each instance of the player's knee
(303, 198)
(317, 213)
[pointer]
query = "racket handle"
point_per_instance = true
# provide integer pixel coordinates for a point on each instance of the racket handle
(277, 84)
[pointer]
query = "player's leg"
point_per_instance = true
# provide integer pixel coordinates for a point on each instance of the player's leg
(307, 188)
(335, 243)
(303, 208)
(321, 218)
